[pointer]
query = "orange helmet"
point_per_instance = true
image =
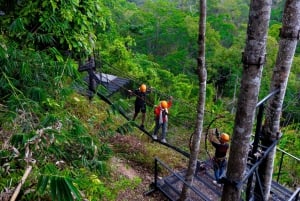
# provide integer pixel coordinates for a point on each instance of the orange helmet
(143, 88)
(224, 137)
(164, 104)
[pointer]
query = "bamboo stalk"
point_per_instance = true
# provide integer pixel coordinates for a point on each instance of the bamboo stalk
(17, 191)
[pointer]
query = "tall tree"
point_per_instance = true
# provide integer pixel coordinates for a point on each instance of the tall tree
(289, 35)
(253, 60)
(202, 75)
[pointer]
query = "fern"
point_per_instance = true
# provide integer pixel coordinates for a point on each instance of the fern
(17, 26)
(48, 24)
(44, 38)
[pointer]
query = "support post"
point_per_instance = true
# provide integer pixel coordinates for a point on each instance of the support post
(280, 165)
(254, 149)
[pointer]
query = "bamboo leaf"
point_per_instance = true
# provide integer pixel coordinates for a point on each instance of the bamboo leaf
(53, 188)
(42, 183)
(60, 191)
(73, 189)
(67, 190)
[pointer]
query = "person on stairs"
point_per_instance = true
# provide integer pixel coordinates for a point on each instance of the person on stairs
(140, 102)
(161, 118)
(219, 161)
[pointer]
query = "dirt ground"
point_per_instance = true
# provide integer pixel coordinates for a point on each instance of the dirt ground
(131, 171)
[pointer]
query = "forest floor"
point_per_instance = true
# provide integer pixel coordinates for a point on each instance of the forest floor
(128, 145)
(131, 171)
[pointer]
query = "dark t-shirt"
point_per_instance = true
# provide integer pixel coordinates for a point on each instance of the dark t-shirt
(221, 149)
(140, 97)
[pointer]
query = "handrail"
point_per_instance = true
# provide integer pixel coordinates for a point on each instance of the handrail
(254, 167)
(195, 190)
(267, 97)
(281, 160)
(290, 155)
(295, 195)
(184, 153)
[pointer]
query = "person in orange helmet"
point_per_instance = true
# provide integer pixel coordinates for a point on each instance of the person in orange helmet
(161, 119)
(219, 161)
(140, 102)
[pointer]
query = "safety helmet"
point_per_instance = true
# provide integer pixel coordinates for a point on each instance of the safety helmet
(224, 137)
(143, 88)
(164, 104)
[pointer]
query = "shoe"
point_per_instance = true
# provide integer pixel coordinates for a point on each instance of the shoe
(154, 137)
(142, 126)
(216, 183)
(163, 140)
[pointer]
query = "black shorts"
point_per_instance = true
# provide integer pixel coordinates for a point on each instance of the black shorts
(140, 108)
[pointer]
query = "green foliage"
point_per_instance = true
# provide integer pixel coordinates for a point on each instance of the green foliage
(277, 12)
(290, 136)
(152, 42)
(289, 172)
(93, 186)
(226, 29)
(126, 128)
(61, 187)
(274, 30)
(236, 9)
(69, 24)
(124, 184)
(224, 71)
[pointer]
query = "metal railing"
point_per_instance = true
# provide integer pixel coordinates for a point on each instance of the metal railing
(295, 195)
(179, 177)
(284, 153)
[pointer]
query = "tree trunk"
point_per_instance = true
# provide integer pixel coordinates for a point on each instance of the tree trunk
(253, 60)
(202, 76)
(287, 45)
